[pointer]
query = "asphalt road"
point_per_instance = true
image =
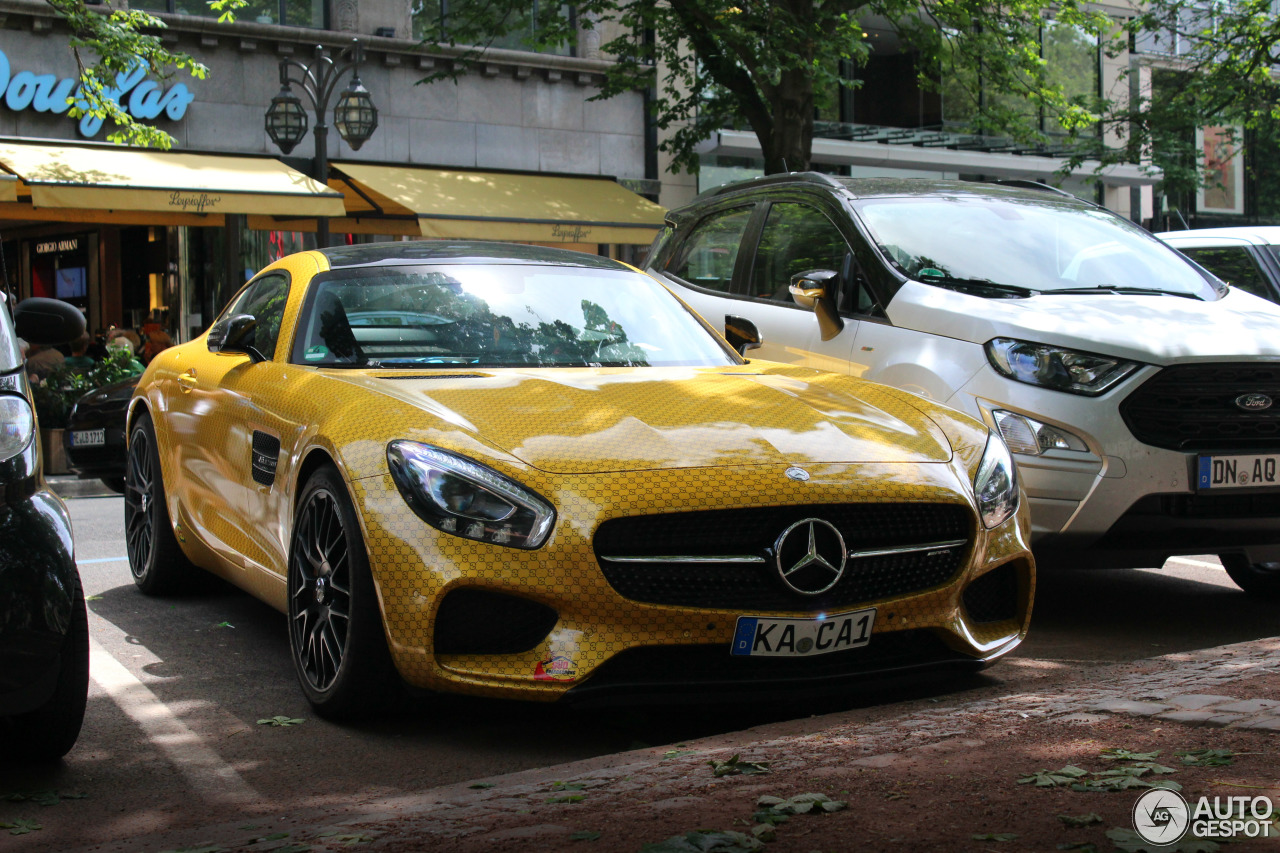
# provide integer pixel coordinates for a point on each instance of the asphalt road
(172, 739)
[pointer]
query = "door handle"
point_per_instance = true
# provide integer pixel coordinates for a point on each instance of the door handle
(187, 379)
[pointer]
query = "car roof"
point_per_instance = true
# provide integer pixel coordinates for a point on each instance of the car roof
(895, 187)
(1257, 235)
(461, 252)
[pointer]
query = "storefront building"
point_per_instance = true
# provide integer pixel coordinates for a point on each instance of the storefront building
(513, 150)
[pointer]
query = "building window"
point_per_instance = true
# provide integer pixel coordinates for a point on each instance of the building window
(291, 13)
(435, 20)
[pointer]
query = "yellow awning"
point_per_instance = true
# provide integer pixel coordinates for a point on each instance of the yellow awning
(495, 206)
(112, 178)
(8, 188)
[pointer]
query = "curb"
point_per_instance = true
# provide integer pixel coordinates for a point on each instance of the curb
(70, 486)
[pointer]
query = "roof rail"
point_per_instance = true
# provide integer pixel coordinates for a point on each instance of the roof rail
(1030, 185)
(778, 178)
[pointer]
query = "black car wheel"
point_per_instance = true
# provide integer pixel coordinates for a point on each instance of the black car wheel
(1260, 579)
(49, 732)
(155, 558)
(335, 629)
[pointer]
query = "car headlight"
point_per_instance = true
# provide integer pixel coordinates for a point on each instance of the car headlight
(996, 486)
(17, 425)
(1057, 368)
(456, 495)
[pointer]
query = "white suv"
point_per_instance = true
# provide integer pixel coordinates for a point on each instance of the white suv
(1139, 393)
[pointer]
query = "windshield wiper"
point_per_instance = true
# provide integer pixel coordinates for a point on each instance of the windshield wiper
(1128, 291)
(976, 285)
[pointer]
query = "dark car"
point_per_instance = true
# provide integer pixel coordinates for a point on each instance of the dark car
(44, 633)
(95, 439)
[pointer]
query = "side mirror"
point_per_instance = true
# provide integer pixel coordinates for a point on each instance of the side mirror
(234, 336)
(741, 334)
(47, 321)
(818, 290)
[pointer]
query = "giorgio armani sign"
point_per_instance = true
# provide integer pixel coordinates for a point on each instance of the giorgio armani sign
(141, 97)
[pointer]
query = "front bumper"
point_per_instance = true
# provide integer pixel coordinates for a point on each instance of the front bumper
(599, 643)
(1121, 504)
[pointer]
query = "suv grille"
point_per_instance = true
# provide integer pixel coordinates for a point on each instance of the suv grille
(1193, 407)
(725, 558)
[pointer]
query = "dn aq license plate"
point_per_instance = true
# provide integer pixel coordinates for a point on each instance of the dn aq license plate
(762, 636)
(1238, 472)
(88, 438)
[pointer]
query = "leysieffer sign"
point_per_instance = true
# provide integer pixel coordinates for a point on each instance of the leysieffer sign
(142, 98)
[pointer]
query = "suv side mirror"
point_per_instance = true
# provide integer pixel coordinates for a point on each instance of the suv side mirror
(47, 321)
(741, 334)
(234, 336)
(818, 290)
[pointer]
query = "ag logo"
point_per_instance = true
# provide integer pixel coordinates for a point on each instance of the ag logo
(1161, 816)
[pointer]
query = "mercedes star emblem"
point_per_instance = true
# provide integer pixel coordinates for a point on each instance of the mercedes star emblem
(810, 556)
(796, 473)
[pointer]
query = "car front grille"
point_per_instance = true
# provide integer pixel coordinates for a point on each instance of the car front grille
(1193, 407)
(726, 559)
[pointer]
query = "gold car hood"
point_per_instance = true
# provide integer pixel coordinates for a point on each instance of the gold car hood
(577, 420)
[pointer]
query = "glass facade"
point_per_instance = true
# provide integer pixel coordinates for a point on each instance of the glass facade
(434, 19)
(291, 13)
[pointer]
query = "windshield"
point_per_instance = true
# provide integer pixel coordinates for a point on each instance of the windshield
(10, 356)
(1039, 245)
(496, 316)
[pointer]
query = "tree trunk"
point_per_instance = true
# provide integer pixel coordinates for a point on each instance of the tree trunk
(788, 145)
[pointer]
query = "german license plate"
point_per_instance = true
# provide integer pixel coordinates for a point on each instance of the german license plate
(762, 636)
(1238, 472)
(88, 437)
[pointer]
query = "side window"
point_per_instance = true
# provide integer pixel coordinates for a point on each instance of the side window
(797, 238)
(265, 300)
(1234, 265)
(710, 252)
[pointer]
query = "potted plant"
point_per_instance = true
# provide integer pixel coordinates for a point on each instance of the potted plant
(58, 392)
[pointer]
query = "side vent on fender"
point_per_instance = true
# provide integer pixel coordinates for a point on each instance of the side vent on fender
(266, 456)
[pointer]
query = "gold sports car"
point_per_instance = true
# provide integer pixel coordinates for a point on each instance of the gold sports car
(532, 473)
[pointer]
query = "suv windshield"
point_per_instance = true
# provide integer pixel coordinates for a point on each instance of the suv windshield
(498, 315)
(1040, 245)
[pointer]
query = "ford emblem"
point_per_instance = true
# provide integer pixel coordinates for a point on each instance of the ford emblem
(1254, 402)
(799, 473)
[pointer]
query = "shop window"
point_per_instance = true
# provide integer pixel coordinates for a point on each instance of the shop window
(291, 13)
(434, 20)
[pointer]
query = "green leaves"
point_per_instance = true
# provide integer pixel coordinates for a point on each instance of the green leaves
(1119, 753)
(1080, 820)
(800, 804)
(1054, 778)
(995, 836)
(1131, 842)
(42, 798)
(736, 766)
(281, 721)
(1207, 757)
(585, 835)
(706, 841)
(21, 826)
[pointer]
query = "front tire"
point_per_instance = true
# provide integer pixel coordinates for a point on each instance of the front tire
(336, 636)
(1258, 579)
(49, 732)
(155, 558)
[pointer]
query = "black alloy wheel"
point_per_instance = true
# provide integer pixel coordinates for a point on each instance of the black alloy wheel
(1258, 579)
(335, 628)
(155, 558)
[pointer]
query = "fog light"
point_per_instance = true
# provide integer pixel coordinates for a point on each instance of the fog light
(1028, 435)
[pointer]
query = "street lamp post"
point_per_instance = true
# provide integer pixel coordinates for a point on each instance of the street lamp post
(355, 116)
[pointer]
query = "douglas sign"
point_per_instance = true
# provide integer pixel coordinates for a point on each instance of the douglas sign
(142, 98)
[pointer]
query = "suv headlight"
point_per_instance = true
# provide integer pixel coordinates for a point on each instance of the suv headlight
(456, 495)
(17, 425)
(1057, 368)
(996, 486)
